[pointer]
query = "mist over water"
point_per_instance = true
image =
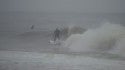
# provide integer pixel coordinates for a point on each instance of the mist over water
(19, 24)
(22, 21)
(92, 35)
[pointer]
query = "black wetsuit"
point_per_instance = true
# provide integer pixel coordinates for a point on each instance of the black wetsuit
(56, 34)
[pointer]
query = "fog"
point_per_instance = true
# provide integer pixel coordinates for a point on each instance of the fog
(91, 34)
(91, 6)
(19, 15)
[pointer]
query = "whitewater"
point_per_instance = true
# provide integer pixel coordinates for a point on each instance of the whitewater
(98, 46)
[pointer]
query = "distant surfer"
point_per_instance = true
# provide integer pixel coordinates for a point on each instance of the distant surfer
(32, 27)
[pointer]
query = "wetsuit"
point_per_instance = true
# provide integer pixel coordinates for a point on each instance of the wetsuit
(56, 34)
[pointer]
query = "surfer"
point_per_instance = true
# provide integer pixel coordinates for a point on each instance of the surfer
(57, 34)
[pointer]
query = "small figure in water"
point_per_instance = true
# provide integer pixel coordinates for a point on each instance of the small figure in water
(32, 27)
(57, 34)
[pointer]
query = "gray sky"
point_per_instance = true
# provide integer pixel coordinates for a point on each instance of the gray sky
(104, 6)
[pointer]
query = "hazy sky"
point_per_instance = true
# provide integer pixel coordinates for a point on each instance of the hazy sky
(63, 5)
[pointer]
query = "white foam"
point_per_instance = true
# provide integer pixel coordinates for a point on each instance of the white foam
(119, 47)
(99, 39)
